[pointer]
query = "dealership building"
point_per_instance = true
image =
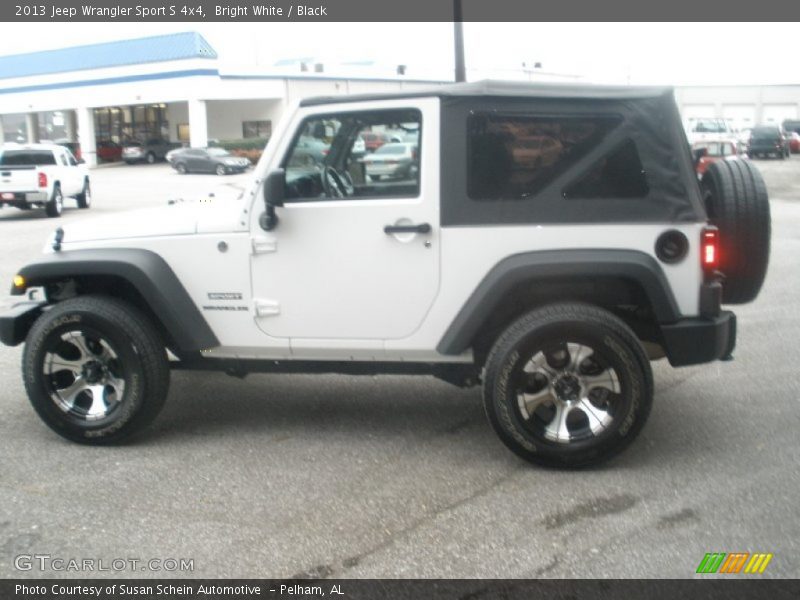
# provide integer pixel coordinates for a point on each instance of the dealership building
(172, 87)
(176, 88)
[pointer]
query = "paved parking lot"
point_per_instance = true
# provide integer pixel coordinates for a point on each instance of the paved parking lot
(284, 475)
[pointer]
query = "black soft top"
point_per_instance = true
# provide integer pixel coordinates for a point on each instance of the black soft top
(507, 89)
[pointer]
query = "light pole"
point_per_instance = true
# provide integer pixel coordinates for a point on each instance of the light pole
(458, 38)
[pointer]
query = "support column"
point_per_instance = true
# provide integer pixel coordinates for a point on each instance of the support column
(198, 124)
(2, 131)
(32, 127)
(70, 125)
(86, 136)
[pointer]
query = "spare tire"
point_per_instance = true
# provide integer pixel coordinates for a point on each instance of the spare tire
(736, 201)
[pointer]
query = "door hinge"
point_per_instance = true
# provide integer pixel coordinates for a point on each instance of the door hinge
(267, 308)
(263, 245)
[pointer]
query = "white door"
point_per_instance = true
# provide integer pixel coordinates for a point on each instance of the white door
(776, 114)
(354, 256)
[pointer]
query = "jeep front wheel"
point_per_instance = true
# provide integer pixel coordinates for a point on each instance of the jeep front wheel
(95, 369)
(567, 385)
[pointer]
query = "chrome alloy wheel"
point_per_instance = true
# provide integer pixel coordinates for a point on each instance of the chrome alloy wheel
(568, 393)
(84, 375)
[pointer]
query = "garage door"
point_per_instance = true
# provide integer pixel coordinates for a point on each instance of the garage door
(741, 116)
(778, 113)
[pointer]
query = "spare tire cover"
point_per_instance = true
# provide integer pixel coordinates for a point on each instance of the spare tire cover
(737, 203)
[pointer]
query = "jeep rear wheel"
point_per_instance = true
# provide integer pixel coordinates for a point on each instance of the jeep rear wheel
(567, 385)
(737, 203)
(95, 370)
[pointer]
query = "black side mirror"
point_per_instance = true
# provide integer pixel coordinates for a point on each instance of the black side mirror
(274, 189)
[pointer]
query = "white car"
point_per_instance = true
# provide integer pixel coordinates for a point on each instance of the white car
(702, 129)
(393, 160)
(41, 176)
(550, 275)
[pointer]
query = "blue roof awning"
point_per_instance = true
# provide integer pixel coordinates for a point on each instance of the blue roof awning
(159, 48)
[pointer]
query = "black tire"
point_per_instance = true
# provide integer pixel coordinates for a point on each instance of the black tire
(85, 197)
(620, 409)
(737, 203)
(55, 206)
(220, 170)
(181, 168)
(98, 342)
(150, 158)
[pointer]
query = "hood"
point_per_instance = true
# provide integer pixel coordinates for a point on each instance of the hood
(181, 218)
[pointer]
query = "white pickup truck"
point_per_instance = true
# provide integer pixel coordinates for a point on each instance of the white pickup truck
(41, 176)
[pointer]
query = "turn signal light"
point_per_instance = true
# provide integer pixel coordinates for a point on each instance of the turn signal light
(42, 180)
(19, 282)
(709, 248)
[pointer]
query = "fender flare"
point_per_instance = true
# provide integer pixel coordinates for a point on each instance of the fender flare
(550, 264)
(147, 272)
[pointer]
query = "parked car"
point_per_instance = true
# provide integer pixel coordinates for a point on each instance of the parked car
(150, 151)
(373, 141)
(552, 290)
(698, 130)
(709, 152)
(393, 160)
(768, 140)
(794, 141)
(109, 151)
(41, 176)
(207, 160)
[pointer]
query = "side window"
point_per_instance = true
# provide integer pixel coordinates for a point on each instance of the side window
(71, 159)
(619, 174)
(63, 159)
(511, 157)
(373, 154)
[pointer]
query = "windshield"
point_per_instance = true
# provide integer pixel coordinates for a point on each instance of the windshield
(710, 126)
(11, 158)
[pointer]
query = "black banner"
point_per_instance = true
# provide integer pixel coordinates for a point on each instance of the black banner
(411, 589)
(399, 11)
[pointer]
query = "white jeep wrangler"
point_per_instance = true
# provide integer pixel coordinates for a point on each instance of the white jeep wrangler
(544, 241)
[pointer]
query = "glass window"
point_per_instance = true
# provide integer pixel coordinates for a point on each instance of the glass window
(513, 157)
(256, 129)
(27, 157)
(353, 155)
(619, 174)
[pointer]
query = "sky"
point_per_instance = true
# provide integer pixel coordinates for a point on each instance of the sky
(618, 53)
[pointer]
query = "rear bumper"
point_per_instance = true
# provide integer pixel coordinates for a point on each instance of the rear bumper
(15, 322)
(23, 197)
(700, 340)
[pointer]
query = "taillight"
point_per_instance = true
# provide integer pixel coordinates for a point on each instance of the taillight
(709, 249)
(42, 180)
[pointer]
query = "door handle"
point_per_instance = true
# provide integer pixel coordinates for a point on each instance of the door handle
(421, 228)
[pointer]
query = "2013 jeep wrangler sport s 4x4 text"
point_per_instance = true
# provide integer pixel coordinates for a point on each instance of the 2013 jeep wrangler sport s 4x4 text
(543, 241)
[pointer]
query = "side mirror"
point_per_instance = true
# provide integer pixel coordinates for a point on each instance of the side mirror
(81, 161)
(274, 189)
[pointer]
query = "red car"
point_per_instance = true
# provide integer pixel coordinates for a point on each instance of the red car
(373, 141)
(794, 141)
(707, 152)
(109, 151)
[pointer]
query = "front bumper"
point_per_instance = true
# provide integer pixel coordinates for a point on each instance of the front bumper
(700, 340)
(15, 322)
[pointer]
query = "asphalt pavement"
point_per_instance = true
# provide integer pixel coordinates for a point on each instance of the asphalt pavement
(289, 475)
